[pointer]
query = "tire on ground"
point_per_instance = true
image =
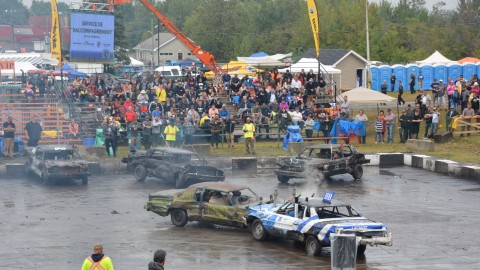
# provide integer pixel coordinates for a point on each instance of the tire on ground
(283, 179)
(313, 246)
(357, 172)
(361, 249)
(258, 231)
(179, 217)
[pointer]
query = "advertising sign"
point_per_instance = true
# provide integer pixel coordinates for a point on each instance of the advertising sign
(7, 65)
(91, 38)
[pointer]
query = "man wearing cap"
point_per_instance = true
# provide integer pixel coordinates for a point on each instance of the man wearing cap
(171, 133)
(442, 88)
(9, 136)
(158, 260)
(98, 261)
(405, 121)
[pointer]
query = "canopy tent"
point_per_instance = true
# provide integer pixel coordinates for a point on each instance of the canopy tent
(136, 63)
(310, 63)
(362, 95)
(19, 67)
(435, 58)
(237, 68)
(71, 72)
(276, 60)
(259, 54)
(469, 60)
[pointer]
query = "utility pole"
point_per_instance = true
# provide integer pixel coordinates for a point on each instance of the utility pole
(367, 75)
(158, 42)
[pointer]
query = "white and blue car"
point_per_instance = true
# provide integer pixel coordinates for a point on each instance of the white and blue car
(311, 220)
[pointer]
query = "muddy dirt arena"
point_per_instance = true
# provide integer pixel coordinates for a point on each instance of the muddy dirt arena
(433, 218)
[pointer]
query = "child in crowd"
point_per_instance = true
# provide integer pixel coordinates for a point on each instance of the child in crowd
(379, 129)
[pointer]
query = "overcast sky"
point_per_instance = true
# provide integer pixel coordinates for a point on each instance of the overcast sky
(449, 4)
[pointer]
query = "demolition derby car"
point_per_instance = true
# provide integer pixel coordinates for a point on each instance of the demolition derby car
(328, 159)
(217, 203)
(56, 163)
(311, 220)
(172, 164)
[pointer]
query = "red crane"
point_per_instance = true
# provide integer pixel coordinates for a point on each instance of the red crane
(204, 56)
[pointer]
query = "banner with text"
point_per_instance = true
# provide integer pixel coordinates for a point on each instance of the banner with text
(91, 38)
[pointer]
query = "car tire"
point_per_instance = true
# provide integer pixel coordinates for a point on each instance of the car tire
(258, 230)
(357, 172)
(313, 246)
(140, 173)
(283, 179)
(85, 180)
(179, 217)
(361, 249)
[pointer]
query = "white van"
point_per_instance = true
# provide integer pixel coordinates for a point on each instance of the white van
(170, 72)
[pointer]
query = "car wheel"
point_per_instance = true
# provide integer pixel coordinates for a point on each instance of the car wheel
(140, 173)
(283, 179)
(179, 217)
(357, 172)
(258, 231)
(361, 249)
(180, 181)
(85, 180)
(313, 246)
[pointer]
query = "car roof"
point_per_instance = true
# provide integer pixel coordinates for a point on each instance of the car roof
(318, 202)
(172, 150)
(325, 146)
(219, 186)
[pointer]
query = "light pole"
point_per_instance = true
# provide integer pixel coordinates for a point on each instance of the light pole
(158, 41)
(368, 45)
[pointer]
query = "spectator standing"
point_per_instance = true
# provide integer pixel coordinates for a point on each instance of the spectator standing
(345, 107)
(450, 116)
(428, 122)
(130, 116)
(467, 114)
(98, 260)
(249, 136)
(229, 131)
(378, 129)
(158, 260)
(400, 93)
(451, 92)
(434, 87)
(9, 137)
(390, 125)
(420, 81)
(135, 128)
(435, 122)
(415, 123)
(171, 133)
(441, 95)
(33, 131)
(405, 122)
(309, 126)
(147, 133)
(156, 131)
(362, 117)
(412, 83)
(393, 79)
(109, 130)
(188, 130)
(216, 129)
(384, 87)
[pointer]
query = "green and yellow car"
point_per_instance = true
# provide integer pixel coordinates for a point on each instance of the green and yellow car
(211, 202)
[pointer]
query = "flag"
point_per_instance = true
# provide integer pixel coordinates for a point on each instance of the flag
(312, 12)
(55, 44)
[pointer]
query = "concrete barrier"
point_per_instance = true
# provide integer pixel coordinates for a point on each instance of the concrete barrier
(445, 166)
(418, 161)
(200, 149)
(92, 152)
(443, 137)
(15, 169)
(389, 159)
(421, 145)
(245, 164)
(297, 147)
(470, 172)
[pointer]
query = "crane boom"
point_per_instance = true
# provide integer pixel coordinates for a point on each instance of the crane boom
(206, 58)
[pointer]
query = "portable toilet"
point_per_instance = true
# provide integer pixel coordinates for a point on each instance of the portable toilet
(401, 75)
(440, 72)
(469, 69)
(454, 70)
(375, 78)
(478, 69)
(385, 73)
(427, 71)
(412, 68)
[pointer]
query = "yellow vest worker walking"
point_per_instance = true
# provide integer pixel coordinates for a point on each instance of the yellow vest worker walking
(249, 130)
(98, 261)
(171, 133)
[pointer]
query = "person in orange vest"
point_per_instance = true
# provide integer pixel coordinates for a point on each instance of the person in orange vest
(171, 133)
(98, 261)
(249, 135)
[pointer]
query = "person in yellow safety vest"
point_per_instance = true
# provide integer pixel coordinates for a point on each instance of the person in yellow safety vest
(171, 133)
(249, 130)
(161, 94)
(98, 261)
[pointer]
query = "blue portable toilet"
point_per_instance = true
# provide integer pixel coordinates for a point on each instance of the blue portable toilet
(478, 69)
(454, 70)
(440, 72)
(469, 69)
(427, 71)
(401, 74)
(375, 78)
(411, 68)
(385, 73)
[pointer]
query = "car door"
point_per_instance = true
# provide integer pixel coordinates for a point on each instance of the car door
(38, 163)
(218, 211)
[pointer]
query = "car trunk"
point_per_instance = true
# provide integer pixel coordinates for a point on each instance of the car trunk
(160, 202)
(204, 174)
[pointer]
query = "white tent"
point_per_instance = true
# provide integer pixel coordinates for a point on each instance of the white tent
(435, 58)
(276, 60)
(19, 66)
(310, 63)
(136, 63)
(362, 95)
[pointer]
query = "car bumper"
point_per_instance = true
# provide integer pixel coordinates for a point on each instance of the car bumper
(67, 175)
(290, 174)
(374, 241)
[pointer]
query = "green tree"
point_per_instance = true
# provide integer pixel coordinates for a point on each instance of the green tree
(41, 8)
(13, 12)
